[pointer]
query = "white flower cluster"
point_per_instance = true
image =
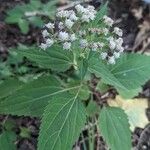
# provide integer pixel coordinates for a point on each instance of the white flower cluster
(67, 19)
(66, 30)
(108, 21)
(114, 42)
(115, 46)
(87, 14)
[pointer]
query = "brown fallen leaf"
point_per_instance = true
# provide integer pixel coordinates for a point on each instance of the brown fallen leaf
(138, 13)
(134, 108)
(142, 38)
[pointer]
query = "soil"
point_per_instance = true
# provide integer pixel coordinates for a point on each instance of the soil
(123, 12)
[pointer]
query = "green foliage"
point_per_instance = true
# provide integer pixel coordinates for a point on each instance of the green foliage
(102, 11)
(59, 83)
(9, 86)
(25, 132)
(53, 58)
(62, 122)
(92, 108)
(8, 125)
(129, 73)
(100, 14)
(7, 140)
(23, 25)
(31, 98)
(15, 66)
(102, 87)
(31, 13)
(84, 92)
(114, 127)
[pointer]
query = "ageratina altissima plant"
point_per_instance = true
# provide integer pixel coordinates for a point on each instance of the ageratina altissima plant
(81, 45)
(67, 30)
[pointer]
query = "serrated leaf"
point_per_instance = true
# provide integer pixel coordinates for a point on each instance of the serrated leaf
(62, 122)
(14, 18)
(102, 87)
(130, 93)
(134, 108)
(36, 20)
(129, 73)
(18, 13)
(9, 86)
(35, 4)
(84, 91)
(83, 65)
(33, 97)
(92, 108)
(102, 11)
(53, 58)
(51, 5)
(23, 25)
(7, 140)
(114, 127)
(14, 15)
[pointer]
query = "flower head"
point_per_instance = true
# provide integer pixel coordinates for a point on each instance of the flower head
(72, 37)
(49, 42)
(43, 46)
(69, 33)
(83, 43)
(118, 31)
(103, 55)
(73, 17)
(63, 36)
(79, 8)
(49, 25)
(116, 54)
(111, 60)
(67, 45)
(45, 33)
(108, 21)
(69, 23)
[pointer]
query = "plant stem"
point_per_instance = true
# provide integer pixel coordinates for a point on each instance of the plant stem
(91, 136)
(84, 145)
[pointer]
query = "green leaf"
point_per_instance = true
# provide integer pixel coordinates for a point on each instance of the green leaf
(102, 87)
(102, 11)
(135, 110)
(14, 18)
(19, 13)
(53, 58)
(14, 15)
(92, 108)
(25, 132)
(7, 140)
(114, 127)
(9, 86)
(84, 92)
(83, 65)
(9, 125)
(36, 21)
(33, 97)
(129, 93)
(35, 4)
(129, 73)
(23, 25)
(62, 123)
(50, 8)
